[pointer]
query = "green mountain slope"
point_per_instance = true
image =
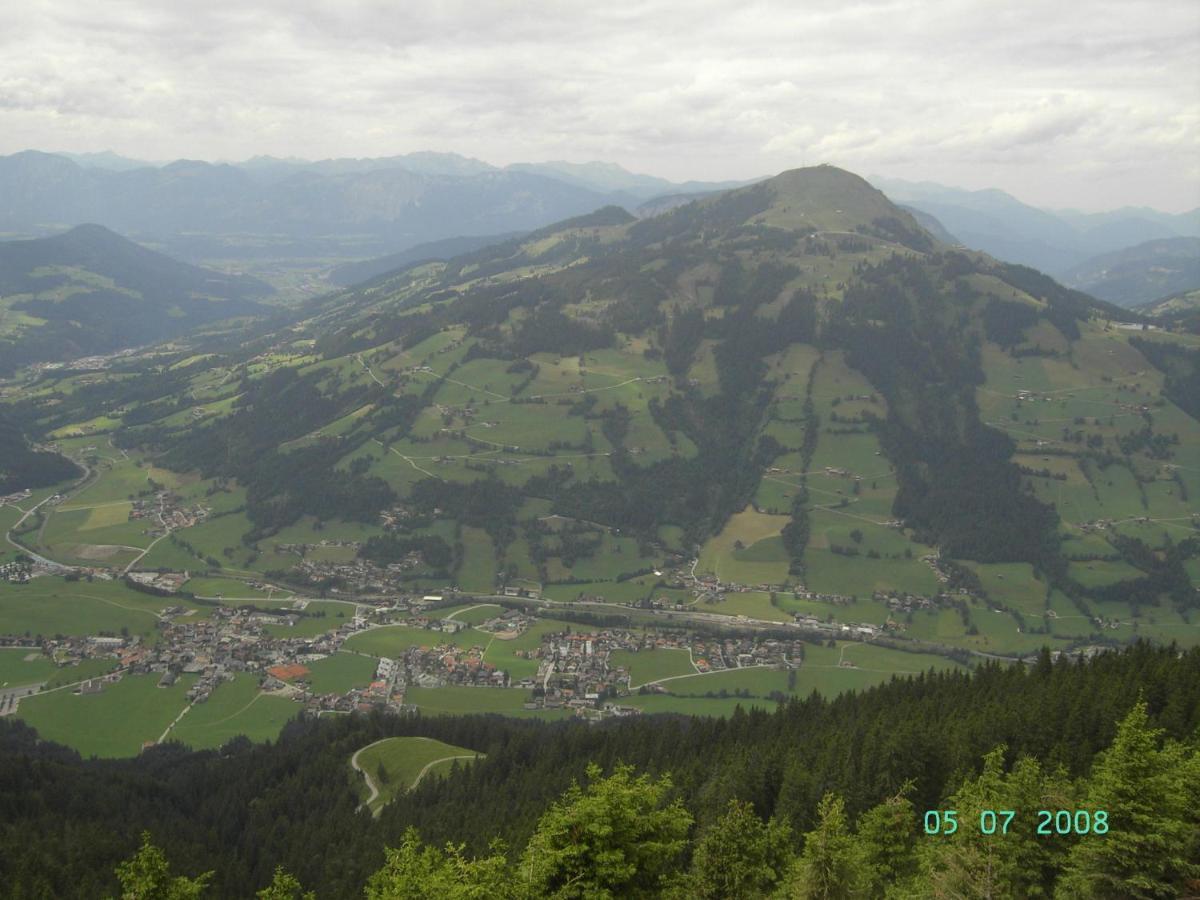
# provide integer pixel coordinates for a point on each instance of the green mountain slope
(1178, 310)
(791, 388)
(90, 290)
(1141, 274)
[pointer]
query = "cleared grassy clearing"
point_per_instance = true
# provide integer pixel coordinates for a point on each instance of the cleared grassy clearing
(392, 641)
(753, 604)
(747, 527)
(474, 615)
(833, 573)
(15, 669)
(645, 666)
(1096, 573)
(235, 708)
(454, 701)
(340, 673)
(478, 570)
(396, 765)
(51, 606)
(115, 722)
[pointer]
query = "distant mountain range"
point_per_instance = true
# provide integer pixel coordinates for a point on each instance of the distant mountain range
(90, 290)
(1140, 274)
(340, 207)
(353, 209)
(1052, 241)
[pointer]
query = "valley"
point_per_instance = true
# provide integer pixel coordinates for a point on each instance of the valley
(783, 422)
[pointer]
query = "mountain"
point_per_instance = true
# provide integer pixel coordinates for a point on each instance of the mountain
(382, 206)
(1178, 310)
(1138, 275)
(792, 384)
(932, 225)
(106, 159)
(291, 208)
(357, 272)
(999, 224)
(89, 290)
(425, 163)
(612, 179)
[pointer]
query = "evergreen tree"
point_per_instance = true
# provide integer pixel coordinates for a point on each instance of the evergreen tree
(826, 869)
(1151, 792)
(147, 876)
(1013, 860)
(740, 855)
(415, 871)
(285, 886)
(619, 837)
(886, 844)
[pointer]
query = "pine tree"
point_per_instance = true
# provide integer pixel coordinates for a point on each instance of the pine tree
(1151, 793)
(826, 869)
(147, 876)
(284, 886)
(886, 844)
(619, 837)
(416, 871)
(1011, 861)
(740, 855)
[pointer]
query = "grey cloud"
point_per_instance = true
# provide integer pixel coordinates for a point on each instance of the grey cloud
(1019, 95)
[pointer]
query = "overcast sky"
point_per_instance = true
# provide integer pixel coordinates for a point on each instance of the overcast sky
(1090, 105)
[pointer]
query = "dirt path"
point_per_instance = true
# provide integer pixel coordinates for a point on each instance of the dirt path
(469, 608)
(183, 712)
(363, 772)
(430, 765)
(137, 559)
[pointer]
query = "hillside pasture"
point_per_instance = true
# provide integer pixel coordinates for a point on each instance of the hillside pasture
(234, 708)
(397, 765)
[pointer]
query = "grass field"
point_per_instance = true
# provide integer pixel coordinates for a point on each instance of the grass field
(478, 570)
(235, 708)
(747, 527)
(753, 604)
(457, 701)
(339, 673)
(115, 722)
(694, 706)
(50, 606)
(16, 669)
(828, 671)
(396, 765)
(645, 666)
(474, 614)
(833, 573)
(392, 641)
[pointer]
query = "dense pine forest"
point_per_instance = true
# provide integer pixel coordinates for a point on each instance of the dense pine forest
(821, 798)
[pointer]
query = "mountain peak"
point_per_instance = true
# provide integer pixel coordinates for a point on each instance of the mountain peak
(815, 199)
(827, 198)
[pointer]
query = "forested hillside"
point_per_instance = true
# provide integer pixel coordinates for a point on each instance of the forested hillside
(818, 799)
(23, 467)
(89, 290)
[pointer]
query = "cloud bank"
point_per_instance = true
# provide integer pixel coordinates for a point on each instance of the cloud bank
(1091, 105)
